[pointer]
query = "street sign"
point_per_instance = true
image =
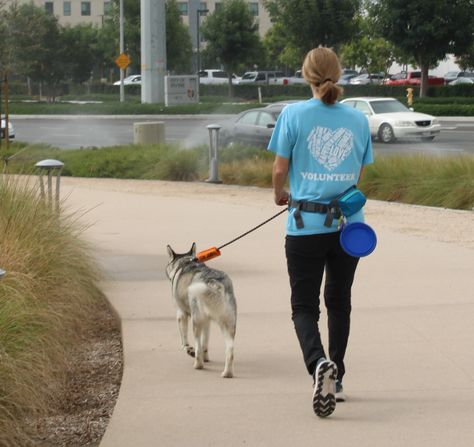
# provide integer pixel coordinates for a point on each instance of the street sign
(123, 61)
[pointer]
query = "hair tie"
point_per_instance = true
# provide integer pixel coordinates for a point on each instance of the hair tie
(322, 82)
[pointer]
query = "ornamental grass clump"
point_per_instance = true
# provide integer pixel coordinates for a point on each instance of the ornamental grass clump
(46, 297)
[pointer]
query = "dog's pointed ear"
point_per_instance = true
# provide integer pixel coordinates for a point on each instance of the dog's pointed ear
(192, 252)
(171, 253)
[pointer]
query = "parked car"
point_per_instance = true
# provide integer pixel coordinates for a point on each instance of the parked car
(367, 78)
(412, 78)
(346, 78)
(214, 76)
(451, 76)
(297, 78)
(131, 80)
(462, 80)
(11, 129)
(389, 119)
(264, 77)
(253, 127)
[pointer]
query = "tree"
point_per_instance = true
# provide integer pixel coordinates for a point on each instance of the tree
(426, 29)
(178, 41)
(372, 54)
(83, 52)
(306, 24)
(367, 51)
(278, 49)
(232, 36)
(466, 59)
(33, 46)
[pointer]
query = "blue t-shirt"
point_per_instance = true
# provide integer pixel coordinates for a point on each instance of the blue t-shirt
(327, 147)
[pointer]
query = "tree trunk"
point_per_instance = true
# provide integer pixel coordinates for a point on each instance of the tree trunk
(424, 80)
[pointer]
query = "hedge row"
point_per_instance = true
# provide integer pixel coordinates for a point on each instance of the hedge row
(251, 92)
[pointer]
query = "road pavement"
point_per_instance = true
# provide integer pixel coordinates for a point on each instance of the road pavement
(410, 369)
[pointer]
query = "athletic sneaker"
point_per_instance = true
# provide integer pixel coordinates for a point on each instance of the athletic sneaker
(324, 394)
(340, 396)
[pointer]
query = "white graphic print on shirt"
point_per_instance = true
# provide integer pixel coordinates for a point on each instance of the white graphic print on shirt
(330, 148)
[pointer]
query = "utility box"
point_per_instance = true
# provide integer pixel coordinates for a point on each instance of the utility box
(149, 133)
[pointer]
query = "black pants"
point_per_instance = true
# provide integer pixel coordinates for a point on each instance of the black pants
(308, 257)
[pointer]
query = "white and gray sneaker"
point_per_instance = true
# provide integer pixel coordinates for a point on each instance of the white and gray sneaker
(340, 396)
(324, 393)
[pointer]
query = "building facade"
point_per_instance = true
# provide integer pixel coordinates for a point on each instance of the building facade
(73, 12)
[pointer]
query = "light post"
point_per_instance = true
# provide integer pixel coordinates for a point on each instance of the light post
(199, 12)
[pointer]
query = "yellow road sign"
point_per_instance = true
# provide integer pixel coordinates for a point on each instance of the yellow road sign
(123, 61)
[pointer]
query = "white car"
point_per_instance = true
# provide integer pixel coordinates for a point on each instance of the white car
(263, 78)
(389, 119)
(366, 79)
(215, 77)
(11, 129)
(297, 78)
(131, 80)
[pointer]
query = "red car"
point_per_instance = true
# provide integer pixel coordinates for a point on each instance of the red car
(412, 78)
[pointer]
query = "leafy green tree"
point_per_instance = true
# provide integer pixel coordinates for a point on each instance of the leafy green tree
(82, 51)
(232, 36)
(32, 45)
(466, 59)
(178, 41)
(426, 29)
(278, 49)
(306, 24)
(372, 54)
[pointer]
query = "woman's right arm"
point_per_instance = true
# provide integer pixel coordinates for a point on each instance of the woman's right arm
(279, 176)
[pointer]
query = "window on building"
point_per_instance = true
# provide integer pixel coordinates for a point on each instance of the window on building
(49, 7)
(66, 9)
(203, 5)
(218, 5)
(107, 8)
(183, 8)
(253, 6)
(85, 8)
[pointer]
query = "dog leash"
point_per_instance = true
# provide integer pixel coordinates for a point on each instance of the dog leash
(213, 252)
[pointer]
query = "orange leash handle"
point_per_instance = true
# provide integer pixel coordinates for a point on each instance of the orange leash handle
(208, 254)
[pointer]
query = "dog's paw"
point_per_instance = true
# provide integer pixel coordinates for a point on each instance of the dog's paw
(227, 375)
(198, 365)
(190, 350)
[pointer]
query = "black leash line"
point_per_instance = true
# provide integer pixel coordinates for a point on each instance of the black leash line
(253, 229)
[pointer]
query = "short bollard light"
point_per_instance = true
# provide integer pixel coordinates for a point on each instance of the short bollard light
(50, 167)
(213, 153)
(2, 273)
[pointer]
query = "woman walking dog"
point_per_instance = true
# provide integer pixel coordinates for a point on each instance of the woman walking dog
(321, 146)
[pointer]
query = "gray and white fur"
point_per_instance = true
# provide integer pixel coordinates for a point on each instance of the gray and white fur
(205, 295)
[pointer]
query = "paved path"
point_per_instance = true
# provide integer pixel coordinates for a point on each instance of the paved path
(410, 366)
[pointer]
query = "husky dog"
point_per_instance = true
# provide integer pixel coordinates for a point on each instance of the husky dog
(204, 294)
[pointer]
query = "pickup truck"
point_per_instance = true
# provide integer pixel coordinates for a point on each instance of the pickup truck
(412, 78)
(263, 77)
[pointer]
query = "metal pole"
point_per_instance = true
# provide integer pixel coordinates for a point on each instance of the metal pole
(198, 56)
(58, 180)
(50, 187)
(213, 153)
(122, 49)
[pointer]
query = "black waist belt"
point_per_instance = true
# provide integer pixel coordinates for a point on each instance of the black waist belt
(332, 211)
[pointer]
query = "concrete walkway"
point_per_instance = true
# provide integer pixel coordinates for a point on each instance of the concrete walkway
(410, 363)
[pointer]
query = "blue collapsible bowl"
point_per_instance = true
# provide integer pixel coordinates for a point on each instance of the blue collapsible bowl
(358, 239)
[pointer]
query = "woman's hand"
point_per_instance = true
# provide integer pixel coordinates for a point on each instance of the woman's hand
(281, 197)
